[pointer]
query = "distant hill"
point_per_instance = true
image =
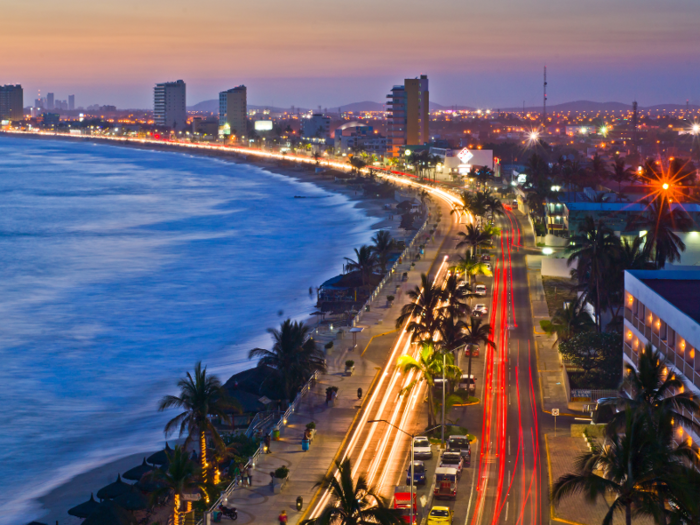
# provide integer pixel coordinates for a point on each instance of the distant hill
(588, 105)
(213, 107)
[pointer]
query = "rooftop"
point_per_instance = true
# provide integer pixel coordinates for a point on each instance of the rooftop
(679, 286)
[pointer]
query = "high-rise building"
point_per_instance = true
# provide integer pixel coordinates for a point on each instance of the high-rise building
(408, 115)
(170, 105)
(49, 101)
(11, 102)
(316, 128)
(71, 101)
(233, 113)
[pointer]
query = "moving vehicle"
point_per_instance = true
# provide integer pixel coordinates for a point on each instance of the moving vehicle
(471, 349)
(437, 385)
(480, 310)
(452, 459)
(480, 289)
(445, 483)
(460, 444)
(467, 382)
(402, 502)
(418, 473)
(485, 258)
(422, 448)
(488, 266)
(440, 516)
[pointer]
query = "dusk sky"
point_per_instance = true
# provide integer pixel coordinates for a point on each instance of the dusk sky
(311, 52)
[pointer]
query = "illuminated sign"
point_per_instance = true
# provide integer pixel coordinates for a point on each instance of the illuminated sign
(263, 125)
(465, 155)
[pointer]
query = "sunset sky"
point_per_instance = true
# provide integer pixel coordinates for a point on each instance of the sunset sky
(311, 52)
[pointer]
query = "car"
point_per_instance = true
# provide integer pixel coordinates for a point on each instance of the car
(453, 460)
(480, 310)
(485, 258)
(440, 516)
(480, 289)
(418, 473)
(460, 444)
(422, 448)
(472, 350)
(467, 382)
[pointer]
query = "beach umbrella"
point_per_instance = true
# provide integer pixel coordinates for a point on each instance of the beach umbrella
(113, 490)
(84, 509)
(148, 484)
(109, 513)
(137, 473)
(132, 500)
(161, 457)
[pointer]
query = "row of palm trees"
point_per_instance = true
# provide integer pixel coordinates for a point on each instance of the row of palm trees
(643, 461)
(369, 258)
(481, 204)
(434, 318)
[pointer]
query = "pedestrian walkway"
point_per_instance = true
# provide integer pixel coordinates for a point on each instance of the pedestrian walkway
(259, 503)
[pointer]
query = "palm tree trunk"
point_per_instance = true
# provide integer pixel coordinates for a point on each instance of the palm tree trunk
(628, 514)
(203, 452)
(431, 407)
(597, 304)
(176, 510)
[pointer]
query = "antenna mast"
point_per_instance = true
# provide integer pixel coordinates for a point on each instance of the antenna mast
(544, 101)
(634, 124)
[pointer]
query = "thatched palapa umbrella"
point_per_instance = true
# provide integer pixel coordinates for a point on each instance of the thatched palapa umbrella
(137, 473)
(113, 490)
(132, 500)
(161, 457)
(109, 513)
(84, 509)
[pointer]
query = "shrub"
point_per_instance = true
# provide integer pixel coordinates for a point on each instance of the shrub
(328, 345)
(311, 426)
(389, 297)
(282, 472)
(349, 363)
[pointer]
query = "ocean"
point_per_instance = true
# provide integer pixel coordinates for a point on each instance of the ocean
(119, 269)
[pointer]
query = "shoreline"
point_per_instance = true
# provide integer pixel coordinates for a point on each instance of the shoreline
(54, 504)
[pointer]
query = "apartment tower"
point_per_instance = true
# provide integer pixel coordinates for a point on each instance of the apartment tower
(170, 105)
(408, 115)
(11, 102)
(233, 113)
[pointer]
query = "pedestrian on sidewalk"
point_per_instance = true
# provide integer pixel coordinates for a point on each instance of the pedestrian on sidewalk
(268, 441)
(283, 517)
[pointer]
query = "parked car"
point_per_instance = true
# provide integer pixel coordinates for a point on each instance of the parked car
(460, 444)
(418, 473)
(471, 349)
(467, 382)
(440, 516)
(445, 483)
(485, 258)
(453, 460)
(480, 310)
(422, 448)
(480, 289)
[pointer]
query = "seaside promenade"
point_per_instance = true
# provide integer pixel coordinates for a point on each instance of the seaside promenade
(258, 503)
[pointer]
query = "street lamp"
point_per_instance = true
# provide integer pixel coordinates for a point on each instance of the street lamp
(412, 436)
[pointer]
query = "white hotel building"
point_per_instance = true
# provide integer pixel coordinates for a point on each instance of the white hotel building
(663, 307)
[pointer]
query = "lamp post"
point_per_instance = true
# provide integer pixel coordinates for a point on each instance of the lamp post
(412, 436)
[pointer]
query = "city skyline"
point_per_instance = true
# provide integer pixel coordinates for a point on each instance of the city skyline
(476, 56)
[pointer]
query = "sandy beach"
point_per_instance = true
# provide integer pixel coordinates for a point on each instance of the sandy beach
(56, 503)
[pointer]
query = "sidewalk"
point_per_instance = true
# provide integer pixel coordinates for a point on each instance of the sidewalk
(258, 503)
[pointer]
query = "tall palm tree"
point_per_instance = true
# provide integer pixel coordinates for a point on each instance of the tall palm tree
(429, 365)
(365, 263)
(180, 477)
(293, 359)
(477, 333)
(570, 320)
(631, 256)
(626, 467)
(201, 398)
(382, 246)
(620, 173)
(652, 387)
(494, 207)
(353, 503)
(452, 334)
(661, 222)
(471, 267)
(465, 204)
(593, 247)
(473, 238)
(424, 310)
(597, 169)
(455, 298)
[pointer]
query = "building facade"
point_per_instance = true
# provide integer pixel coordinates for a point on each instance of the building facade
(408, 115)
(233, 113)
(316, 128)
(662, 307)
(71, 102)
(170, 105)
(11, 102)
(354, 135)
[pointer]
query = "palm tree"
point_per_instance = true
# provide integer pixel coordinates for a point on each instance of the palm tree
(570, 320)
(429, 365)
(293, 359)
(473, 238)
(651, 387)
(661, 223)
(494, 207)
(465, 204)
(424, 310)
(593, 247)
(316, 155)
(620, 173)
(630, 256)
(365, 263)
(382, 246)
(471, 267)
(353, 503)
(455, 298)
(180, 477)
(477, 333)
(201, 397)
(452, 334)
(597, 169)
(626, 467)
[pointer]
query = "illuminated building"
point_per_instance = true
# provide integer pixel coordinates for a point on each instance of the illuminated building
(408, 116)
(233, 113)
(355, 135)
(316, 128)
(11, 102)
(169, 105)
